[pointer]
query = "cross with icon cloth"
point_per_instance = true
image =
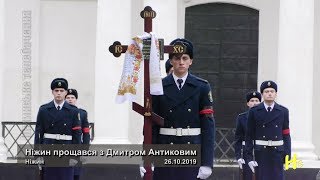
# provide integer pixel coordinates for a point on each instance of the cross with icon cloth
(149, 117)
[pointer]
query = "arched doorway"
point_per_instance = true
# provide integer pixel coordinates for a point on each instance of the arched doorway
(225, 38)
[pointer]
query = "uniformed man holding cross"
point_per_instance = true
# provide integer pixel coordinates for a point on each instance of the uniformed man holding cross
(186, 106)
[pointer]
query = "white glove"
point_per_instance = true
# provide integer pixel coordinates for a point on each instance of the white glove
(72, 162)
(204, 172)
(252, 164)
(143, 170)
(240, 162)
(39, 161)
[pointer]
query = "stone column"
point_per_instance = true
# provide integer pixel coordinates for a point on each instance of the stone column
(316, 80)
(3, 150)
(295, 71)
(19, 32)
(111, 119)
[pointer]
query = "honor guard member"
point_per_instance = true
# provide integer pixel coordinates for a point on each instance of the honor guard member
(169, 67)
(186, 107)
(253, 98)
(58, 123)
(268, 135)
(71, 98)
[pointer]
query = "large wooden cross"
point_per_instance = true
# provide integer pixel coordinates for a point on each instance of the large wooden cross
(149, 117)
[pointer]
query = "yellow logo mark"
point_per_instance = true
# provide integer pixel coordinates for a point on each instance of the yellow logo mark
(294, 162)
(178, 49)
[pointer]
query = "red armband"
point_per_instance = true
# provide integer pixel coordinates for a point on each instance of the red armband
(206, 111)
(86, 130)
(286, 131)
(76, 128)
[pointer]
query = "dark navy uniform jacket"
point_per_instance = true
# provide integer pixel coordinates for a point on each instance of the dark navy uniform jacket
(180, 109)
(85, 136)
(241, 129)
(64, 122)
(84, 126)
(52, 121)
(274, 126)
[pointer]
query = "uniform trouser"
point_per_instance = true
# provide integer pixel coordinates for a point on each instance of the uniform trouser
(175, 173)
(58, 173)
(247, 173)
(76, 177)
(270, 164)
(77, 172)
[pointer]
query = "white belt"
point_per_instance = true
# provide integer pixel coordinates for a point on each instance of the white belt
(180, 131)
(269, 143)
(57, 136)
(243, 143)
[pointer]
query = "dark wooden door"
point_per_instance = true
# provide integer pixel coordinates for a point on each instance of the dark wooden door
(225, 38)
